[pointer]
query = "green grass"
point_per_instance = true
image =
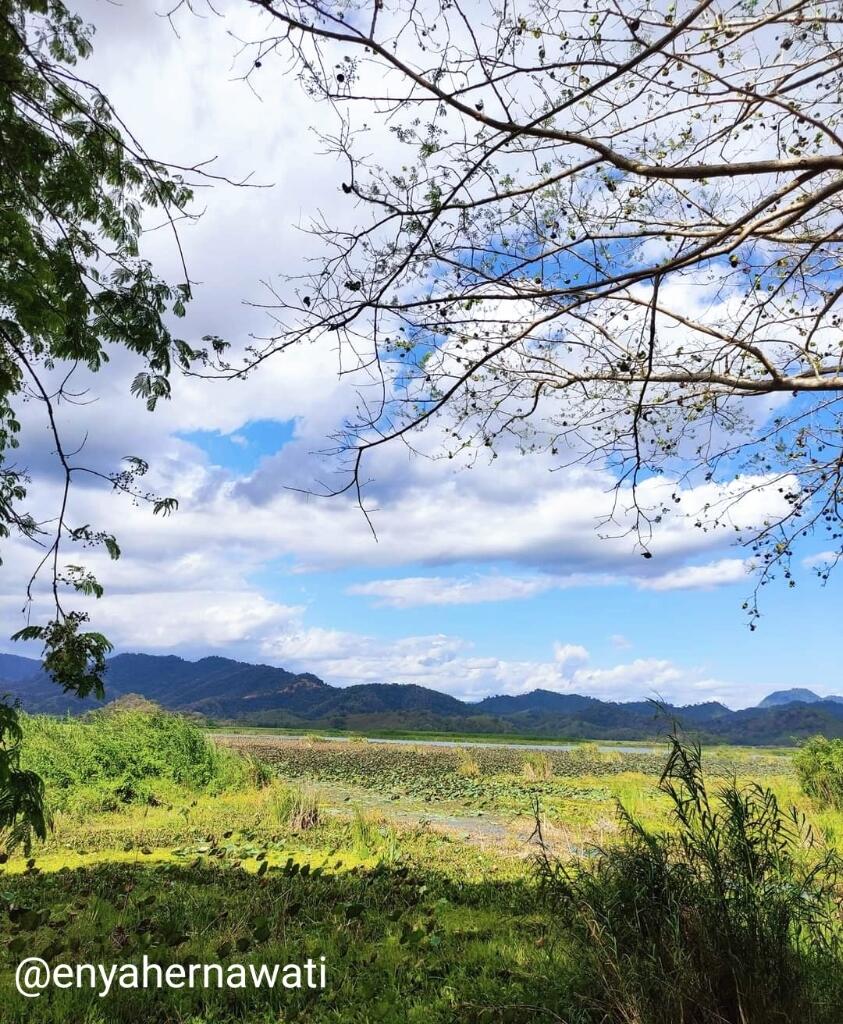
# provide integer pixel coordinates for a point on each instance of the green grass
(415, 925)
(401, 945)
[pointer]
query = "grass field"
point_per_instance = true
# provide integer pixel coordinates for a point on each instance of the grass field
(409, 868)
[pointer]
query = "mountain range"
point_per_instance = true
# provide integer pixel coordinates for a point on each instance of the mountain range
(223, 690)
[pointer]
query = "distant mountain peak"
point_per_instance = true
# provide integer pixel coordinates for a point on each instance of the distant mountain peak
(796, 695)
(14, 668)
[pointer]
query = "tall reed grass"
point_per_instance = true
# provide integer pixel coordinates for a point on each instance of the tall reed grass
(731, 916)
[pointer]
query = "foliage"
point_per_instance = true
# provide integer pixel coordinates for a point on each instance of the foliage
(435, 774)
(75, 660)
(22, 811)
(120, 757)
(416, 928)
(416, 924)
(74, 189)
(404, 944)
(730, 917)
(819, 765)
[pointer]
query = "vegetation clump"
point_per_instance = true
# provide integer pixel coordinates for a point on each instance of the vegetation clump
(538, 768)
(730, 916)
(125, 755)
(467, 764)
(23, 814)
(819, 766)
(295, 807)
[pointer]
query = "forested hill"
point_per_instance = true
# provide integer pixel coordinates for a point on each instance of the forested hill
(225, 690)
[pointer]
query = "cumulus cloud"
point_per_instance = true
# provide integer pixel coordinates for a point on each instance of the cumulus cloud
(452, 665)
(567, 655)
(203, 619)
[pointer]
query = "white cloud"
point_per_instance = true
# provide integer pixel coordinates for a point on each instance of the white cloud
(820, 558)
(701, 577)
(414, 591)
(566, 655)
(452, 665)
(182, 621)
(417, 591)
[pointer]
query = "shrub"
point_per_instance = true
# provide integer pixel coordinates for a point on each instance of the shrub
(258, 773)
(729, 918)
(590, 755)
(23, 813)
(119, 756)
(372, 835)
(819, 765)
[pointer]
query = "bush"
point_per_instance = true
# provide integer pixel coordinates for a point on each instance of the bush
(119, 756)
(312, 738)
(730, 918)
(591, 754)
(23, 814)
(819, 765)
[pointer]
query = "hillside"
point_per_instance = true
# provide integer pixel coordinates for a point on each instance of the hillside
(225, 690)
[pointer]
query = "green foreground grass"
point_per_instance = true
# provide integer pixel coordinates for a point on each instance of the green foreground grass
(414, 925)
(408, 869)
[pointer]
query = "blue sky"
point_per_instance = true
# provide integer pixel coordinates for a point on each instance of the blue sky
(242, 450)
(488, 580)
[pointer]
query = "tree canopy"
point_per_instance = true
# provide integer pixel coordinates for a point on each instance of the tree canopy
(608, 233)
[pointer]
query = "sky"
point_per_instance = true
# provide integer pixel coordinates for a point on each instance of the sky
(492, 579)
